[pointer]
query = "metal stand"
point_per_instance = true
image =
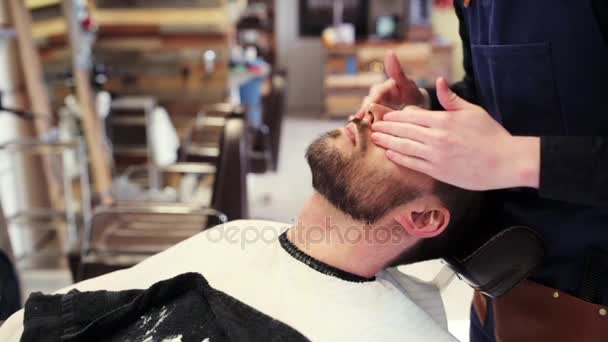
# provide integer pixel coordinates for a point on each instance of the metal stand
(65, 222)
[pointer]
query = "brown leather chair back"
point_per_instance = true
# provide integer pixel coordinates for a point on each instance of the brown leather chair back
(230, 187)
(274, 113)
(203, 141)
(229, 154)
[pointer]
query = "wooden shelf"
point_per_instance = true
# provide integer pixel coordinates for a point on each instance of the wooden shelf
(350, 70)
(35, 4)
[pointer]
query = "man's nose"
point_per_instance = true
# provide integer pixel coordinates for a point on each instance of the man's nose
(372, 116)
(367, 119)
(377, 112)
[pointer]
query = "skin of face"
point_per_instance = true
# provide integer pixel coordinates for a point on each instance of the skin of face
(355, 175)
(353, 141)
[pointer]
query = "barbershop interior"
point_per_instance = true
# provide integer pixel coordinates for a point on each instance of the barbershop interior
(163, 161)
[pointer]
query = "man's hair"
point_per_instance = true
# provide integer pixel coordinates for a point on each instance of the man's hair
(465, 212)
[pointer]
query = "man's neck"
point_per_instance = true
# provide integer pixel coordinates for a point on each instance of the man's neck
(328, 235)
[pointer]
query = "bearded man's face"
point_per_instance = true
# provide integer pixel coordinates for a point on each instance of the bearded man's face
(355, 176)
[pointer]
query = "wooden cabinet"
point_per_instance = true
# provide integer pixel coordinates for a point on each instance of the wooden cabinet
(350, 70)
(152, 48)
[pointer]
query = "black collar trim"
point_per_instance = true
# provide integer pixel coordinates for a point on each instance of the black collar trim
(318, 265)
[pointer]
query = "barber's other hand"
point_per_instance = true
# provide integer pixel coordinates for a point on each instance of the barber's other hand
(396, 92)
(463, 146)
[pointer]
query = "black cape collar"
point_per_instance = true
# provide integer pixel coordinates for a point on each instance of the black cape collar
(318, 265)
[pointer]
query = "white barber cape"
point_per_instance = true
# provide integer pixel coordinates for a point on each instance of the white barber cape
(245, 260)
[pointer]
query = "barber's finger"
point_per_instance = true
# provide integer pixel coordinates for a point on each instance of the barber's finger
(378, 94)
(367, 105)
(409, 162)
(364, 107)
(381, 93)
(394, 70)
(404, 130)
(404, 146)
(417, 115)
(360, 115)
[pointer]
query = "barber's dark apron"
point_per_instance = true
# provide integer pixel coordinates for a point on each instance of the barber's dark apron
(541, 68)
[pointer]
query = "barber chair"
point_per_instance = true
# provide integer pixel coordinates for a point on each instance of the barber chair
(123, 235)
(219, 137)
(120, 237)
(265, 138)
(141, 134)
(230, 194)
(274, 114)
(226, 161)
(202, 142)
(262, 141)
(500, 263)
(55, 229)
(127, 127)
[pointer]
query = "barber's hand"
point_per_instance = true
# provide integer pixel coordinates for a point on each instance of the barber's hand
(463, 146)
(396, 92)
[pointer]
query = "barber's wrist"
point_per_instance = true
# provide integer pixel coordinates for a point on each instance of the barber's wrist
(526, 153)
(426, 99)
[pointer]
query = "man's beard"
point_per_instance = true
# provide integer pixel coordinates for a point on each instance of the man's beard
(348, 183)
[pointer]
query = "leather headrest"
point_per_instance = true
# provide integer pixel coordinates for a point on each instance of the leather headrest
(502, 262)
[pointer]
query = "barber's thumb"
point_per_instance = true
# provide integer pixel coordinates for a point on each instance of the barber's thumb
(448, 99)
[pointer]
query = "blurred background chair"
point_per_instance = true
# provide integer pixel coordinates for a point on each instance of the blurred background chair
(122, 236)
(125, 233)
(274, 108)
(128, 129)
(57, 229)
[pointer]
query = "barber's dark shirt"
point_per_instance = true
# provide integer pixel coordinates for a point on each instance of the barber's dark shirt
(540, 69)
(573, 168)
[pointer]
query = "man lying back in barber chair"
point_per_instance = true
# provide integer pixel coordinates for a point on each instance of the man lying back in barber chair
(326, 278)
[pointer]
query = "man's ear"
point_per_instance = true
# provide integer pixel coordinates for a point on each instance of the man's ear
(424, 221)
